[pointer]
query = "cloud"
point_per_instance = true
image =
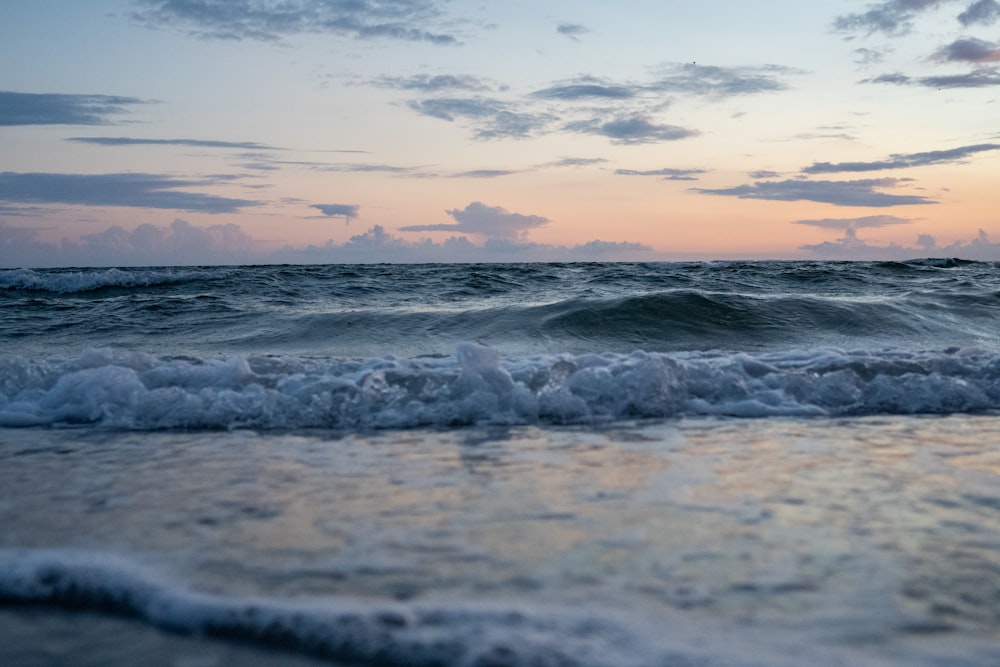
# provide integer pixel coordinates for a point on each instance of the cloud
(894, 17)
(667, 174)
(631, 130)
(58, 109)
(868, 221)
(980, 78)
(130, 189)
(901, 160)
(147, 245)
(839, 193)
(851, 247)
(184, 244)
(346, 211)
(434, 84)
(491, 118)
(489, 221)
(265, 20)
(485, 173)
(720, 82)
(576, 162)
(865, 56)
(969, 49)
(984, 12)
(193, 143)
(572, 30)
(586, 88)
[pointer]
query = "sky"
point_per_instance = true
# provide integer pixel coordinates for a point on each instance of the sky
(162, 132)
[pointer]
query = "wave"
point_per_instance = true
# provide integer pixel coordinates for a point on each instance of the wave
(424, 633)
(92, 280)
(125, 390)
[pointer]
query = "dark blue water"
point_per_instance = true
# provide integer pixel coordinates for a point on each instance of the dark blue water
(380, 346)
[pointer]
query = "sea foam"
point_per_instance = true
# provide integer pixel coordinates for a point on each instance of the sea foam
(130, 390)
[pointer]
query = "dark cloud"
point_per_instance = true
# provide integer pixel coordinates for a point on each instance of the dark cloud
(586, 89)
(868, 221)
(839, 193)
(720, 82)
(763, 173)
(265, 20)
(971, 50)
(58, 109)
(893, 17)
(194, 143)
(631, 130)
(130, 189)
(901, 160)
(488, 221)
(667, 174)
(984, 12)
(434, 84)
(980, 78)
(346, 211)
(572, 30)
(490, 118)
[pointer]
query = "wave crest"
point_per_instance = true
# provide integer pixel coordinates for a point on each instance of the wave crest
(129, 390)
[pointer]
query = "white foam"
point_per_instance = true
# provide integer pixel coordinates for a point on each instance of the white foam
(68, 282)
(128, 390)
(362, 631)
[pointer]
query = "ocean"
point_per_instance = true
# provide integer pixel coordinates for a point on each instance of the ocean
(652, 464)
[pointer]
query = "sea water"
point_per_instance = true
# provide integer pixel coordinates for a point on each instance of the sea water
(778, 463)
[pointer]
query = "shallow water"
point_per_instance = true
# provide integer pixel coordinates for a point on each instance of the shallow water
(725, 541)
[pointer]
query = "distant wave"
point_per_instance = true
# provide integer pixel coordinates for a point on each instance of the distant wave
(91, 280)
(129, 390)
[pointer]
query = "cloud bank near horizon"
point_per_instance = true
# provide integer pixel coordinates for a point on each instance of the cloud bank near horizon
(182, 243)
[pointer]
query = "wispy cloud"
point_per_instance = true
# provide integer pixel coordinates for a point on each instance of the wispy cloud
(666, 174)
(576, 162)
(901, 160)
(893, 17)
(862, 192)
(586, 88)
(868, 221)
(193, 143)
(485, 173)
(720, 82)
(489, 221)
(436, 83)
(128, 189)
(624, 112)
(980, 78)
(572, 30)
(896, 17)
(264, 20)
(490, 118)
(346, 211)
(60, 109)
(631, 130)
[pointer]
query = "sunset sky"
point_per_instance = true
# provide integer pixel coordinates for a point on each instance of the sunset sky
(246, 131)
